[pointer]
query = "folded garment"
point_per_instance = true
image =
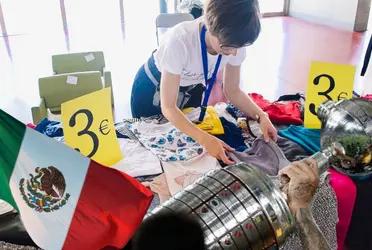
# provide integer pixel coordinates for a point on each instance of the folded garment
(166, 141)
(266, 156)
(367, 97)
(309, 139)
(183, 173)
(233, 135)
(211, 123)
(138, 160)
(292, 150)
(54, 128)
(234, 111)
(286, 112)
(49, 128)
(346, 192)
(291, 97)
(280, 112)
(160, 186)
(220, 108)
(123, 131)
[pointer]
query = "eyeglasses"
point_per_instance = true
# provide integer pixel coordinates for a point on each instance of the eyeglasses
(227, 49)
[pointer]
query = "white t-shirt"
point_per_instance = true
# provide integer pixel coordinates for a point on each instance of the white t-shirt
(180, 53)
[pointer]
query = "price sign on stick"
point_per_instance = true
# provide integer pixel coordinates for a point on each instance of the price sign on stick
(327, 81)
(88, 127)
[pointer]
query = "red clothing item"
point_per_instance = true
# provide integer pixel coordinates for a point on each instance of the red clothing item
(346, 192)
(368, 97)
(31, 125)
(288, 112)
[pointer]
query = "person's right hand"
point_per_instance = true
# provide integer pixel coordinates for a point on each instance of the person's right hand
(301, 179)
(216, 148)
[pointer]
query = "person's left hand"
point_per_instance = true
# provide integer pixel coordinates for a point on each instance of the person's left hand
(299, 182)
(267, 128)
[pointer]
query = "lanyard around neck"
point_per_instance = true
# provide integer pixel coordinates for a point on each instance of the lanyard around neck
(209, 83)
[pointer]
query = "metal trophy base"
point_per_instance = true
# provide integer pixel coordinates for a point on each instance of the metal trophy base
(238, 207)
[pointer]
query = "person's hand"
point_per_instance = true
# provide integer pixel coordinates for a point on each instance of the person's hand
(216, 148)
(301, 179)
(267, 128)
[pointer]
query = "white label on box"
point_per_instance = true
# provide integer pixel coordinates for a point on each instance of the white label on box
(72, 80)
(90, 57)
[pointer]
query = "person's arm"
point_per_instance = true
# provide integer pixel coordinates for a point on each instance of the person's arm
(303, 180)
(243, 102)
(169, 88)
(311, 236)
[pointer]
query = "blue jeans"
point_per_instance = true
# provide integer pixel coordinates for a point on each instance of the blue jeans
(143, 91)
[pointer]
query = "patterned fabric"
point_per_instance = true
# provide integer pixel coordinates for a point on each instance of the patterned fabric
(165, 141)
(324, 209)
(123, 131)
(50, 128)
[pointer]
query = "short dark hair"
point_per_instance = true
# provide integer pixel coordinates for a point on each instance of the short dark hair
(169, 231)
(233, 22)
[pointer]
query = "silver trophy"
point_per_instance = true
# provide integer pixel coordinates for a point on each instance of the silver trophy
(349, 122)
(345, 117)
(239, 207)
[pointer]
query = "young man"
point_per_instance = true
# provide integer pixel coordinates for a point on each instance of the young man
(182, 71)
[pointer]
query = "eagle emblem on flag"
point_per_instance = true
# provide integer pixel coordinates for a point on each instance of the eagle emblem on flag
(45, 191)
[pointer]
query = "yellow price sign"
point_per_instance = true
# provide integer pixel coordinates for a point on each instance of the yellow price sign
(88, 127)
(327, 81)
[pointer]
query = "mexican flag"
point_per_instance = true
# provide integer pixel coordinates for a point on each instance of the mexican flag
(66, 200)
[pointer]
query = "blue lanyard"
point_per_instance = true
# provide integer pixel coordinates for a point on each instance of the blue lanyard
(209, 83)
